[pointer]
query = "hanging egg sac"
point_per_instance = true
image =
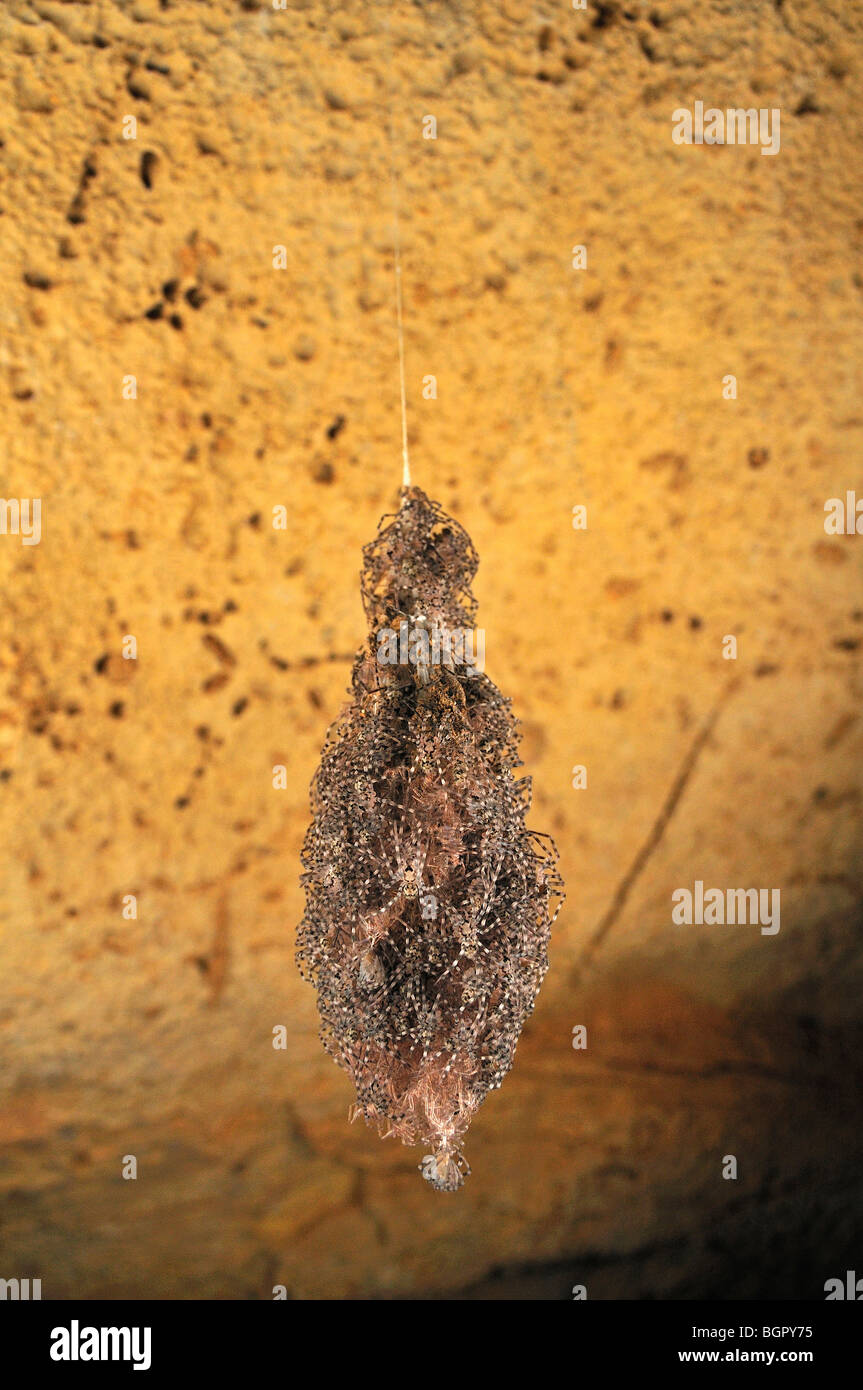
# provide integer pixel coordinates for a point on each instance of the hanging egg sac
(429, 903)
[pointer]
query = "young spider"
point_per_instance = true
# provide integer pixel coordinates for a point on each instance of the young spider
(409, 870)
(371, 969)
(445, 1170)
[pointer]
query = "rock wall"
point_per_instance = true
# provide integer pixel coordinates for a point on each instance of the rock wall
(170, 377)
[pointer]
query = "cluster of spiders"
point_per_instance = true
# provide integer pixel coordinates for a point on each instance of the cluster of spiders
(428, 901)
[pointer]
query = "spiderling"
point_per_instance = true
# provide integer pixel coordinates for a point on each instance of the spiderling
(428, 901)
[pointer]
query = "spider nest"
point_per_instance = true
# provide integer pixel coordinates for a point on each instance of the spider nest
(428, 902)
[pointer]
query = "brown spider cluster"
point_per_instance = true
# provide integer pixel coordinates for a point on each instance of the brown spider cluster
(428, 901)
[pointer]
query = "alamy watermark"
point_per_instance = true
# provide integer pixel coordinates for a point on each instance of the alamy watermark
(421, 644)
(844, 517)
(20, 1290)
(21, 517)
(731, 906)
(77, 1343)
(735, 125)
(849, 1288)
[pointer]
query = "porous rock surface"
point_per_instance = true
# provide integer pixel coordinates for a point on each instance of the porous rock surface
(258, 387)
